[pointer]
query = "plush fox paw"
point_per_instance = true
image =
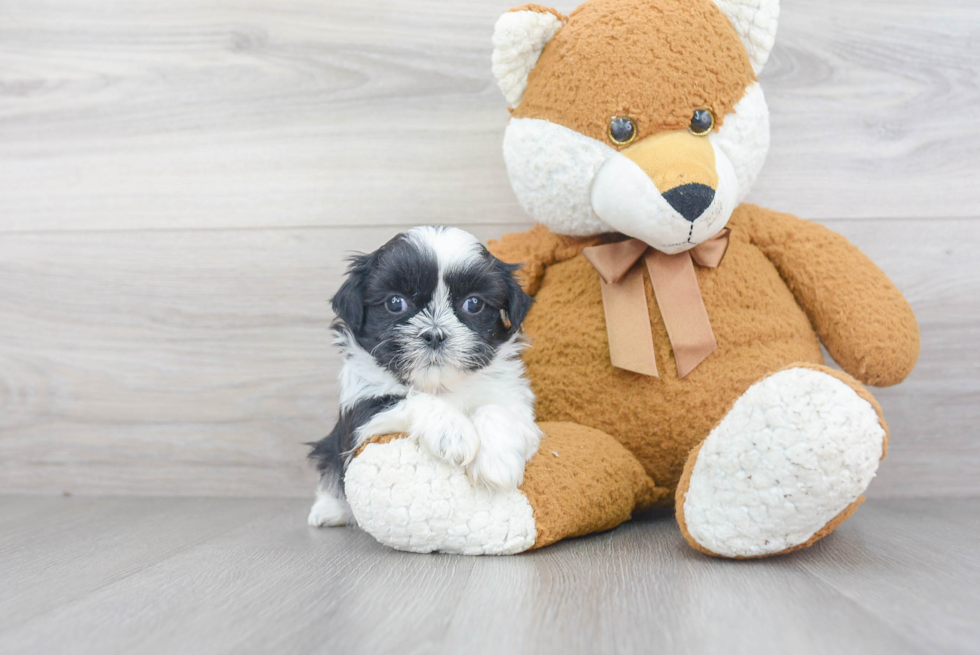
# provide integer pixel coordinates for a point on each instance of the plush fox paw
(788, 464)
(580, 481)
(410, 500)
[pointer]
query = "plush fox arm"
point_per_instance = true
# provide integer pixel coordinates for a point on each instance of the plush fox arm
(535, 250)
(862, 318)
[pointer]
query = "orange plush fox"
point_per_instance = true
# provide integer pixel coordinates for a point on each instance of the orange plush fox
(675, 338)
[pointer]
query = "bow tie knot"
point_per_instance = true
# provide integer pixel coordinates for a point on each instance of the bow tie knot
(675, 286)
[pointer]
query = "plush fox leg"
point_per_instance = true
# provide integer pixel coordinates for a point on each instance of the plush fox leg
(580, 481)
(787, 465)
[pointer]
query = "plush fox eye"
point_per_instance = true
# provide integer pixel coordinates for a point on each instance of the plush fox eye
(702, 122)
(622, 130)
(473, 305)
(396, 305)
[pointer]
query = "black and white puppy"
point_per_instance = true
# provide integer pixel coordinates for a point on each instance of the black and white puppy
(429, 329)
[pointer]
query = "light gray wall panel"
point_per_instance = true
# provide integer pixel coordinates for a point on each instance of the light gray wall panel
(180, 181)
(203, 114)
(199, 362)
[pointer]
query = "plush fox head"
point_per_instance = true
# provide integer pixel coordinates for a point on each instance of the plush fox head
(636, 116)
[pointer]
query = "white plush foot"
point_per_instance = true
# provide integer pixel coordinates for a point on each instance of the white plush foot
(796, 450)
(329, 512)
(507, 442)
(409, 500)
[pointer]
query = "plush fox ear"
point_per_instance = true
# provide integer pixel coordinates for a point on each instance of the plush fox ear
(755, 22)
(518, 39)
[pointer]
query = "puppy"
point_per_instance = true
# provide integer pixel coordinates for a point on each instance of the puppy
(429, 330)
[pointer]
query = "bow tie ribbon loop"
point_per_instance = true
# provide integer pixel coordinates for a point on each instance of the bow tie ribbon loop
(675, 285)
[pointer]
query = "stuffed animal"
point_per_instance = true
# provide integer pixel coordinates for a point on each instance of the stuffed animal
(675, 336)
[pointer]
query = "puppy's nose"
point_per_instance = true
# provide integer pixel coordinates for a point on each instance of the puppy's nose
(434, 337)
(690, 200)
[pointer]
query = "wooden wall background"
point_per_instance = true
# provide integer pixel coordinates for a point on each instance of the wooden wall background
(180, 180)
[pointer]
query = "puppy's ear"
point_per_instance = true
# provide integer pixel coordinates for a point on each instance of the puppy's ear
(518, 302)
(348, 304)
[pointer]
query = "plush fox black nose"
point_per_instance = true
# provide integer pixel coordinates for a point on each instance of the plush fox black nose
(690, 200)
(433, 338)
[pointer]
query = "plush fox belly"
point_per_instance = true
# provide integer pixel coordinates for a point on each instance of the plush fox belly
(757, 322)
(760, 448)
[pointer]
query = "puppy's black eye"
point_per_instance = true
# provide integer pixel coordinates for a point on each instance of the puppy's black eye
(622, 130)
(396, 305)
(702, 122)
(473, 305)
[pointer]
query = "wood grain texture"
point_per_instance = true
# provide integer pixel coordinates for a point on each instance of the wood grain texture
(199, 114)
(95, 542)
(898, 578)
(918, 574)
(199, 362)
(169, 362)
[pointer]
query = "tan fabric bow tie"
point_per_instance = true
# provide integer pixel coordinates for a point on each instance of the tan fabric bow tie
(675, 284)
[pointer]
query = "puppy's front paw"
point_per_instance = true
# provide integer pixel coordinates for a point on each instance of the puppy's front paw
(503, 470)
(507, 441)
(444, 431)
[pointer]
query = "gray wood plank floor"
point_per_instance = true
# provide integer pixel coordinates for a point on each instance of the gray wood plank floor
(97, 575)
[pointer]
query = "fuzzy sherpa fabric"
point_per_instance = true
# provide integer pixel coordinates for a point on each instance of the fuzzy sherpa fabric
(602, 62)
(411, 501)
(821, 453)
(583, 481)
(861, 317)
(797, 450)
(760, 325)
(518, 39)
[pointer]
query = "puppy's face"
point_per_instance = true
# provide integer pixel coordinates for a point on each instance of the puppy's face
(431, 306)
